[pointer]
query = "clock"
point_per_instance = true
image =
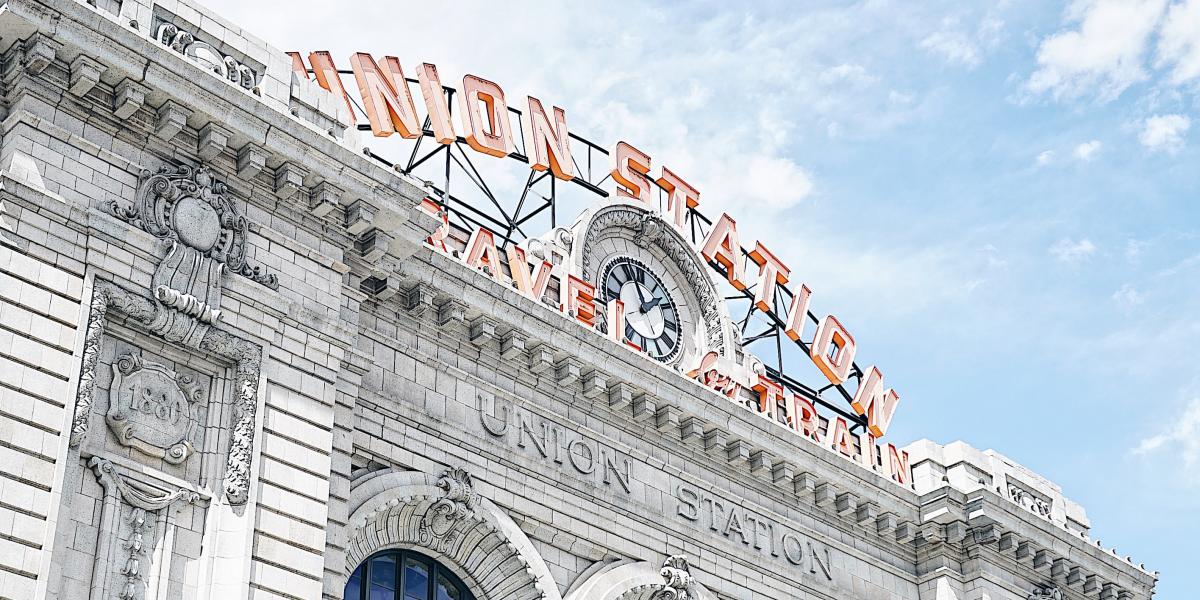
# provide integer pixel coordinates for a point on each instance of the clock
(652, 318)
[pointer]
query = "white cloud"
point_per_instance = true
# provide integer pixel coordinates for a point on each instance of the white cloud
(1102, 55)
(1181, 435)
(1133, 250)
(1165, 132)
(1070, 252)
(1128, 297)
(1179, 42)
(1045, 158)
(961, 46)
(1087, 150)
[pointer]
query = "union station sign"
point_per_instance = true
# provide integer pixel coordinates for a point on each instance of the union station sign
(644, 302)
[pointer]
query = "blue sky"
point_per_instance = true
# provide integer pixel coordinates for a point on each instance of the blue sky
(998, 199)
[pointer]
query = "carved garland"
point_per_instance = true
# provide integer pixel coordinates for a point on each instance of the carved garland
(246, 356)
(649, 229)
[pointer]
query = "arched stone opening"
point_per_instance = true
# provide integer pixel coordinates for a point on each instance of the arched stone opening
(445, 518)
(640, 580)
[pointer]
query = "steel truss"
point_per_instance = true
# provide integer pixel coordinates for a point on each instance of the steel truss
(457, 184)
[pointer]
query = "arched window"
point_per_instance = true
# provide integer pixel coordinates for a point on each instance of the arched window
(404, 575)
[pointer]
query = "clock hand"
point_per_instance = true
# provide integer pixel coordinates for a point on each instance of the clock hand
(641, 296)
(649, 304)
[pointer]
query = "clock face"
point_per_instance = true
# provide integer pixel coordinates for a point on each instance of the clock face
(651, 316)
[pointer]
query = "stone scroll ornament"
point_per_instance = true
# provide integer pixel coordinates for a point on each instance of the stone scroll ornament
(205, 237)
(246, 357)
(144, 501)
(458, 502)
(680, 585)
(1050, 592)
(152, 408)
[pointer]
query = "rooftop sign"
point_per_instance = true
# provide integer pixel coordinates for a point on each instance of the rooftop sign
(756, 275)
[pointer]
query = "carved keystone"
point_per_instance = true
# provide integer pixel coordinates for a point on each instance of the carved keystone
(620, 395)
(288, 179)
(760, 461)
(541, 359)
(645, 407)
(359, 217)
(212, 141)
(737, 452)
(40, 51)
(691, 430)
(512, 344)
(418, 300)
(172, 117)
(885, 524)
(594, 384)
(85, 74)
(803, 484)
(845, 503)
(251, 160)
(373, 245)
(380, 287)
(323, 198)
(667, 417)
(867, 513)
(451, 311)
(824, 494)
(482, 331)
(567, 371)
(714, 441)
(782, 472)
(129, 97)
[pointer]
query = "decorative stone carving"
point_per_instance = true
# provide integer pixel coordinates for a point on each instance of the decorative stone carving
(650, 230)
(205, 236)
(246, 357)
(151, 408)
(1028, 500)
(1050, 592)
(458, 502)
(143, 499)
(679, 581)
(208, 55)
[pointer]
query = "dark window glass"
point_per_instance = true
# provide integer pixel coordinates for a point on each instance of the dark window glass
(446, 590)
(404, 575)
(354, 585)
(383, 577)
(416, 580)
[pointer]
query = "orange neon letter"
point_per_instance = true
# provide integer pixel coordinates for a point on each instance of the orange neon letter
(721, 246)
(551, 142)
(489, 134)
(385, 96)
(437, 239)
(579, 300)
(630, 166)
(836, 364)
(680, 195)
(804, 418)
(797, 311)
(769, 395)
(840, 437)
(327, 77)
(482, 254)
(877, 403)
(531, 284)
(771, 271)
(435, 104)
(898, 465)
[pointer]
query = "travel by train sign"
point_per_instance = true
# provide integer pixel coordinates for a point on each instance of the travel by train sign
(385, 99)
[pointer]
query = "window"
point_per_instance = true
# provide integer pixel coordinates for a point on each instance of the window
(404, 575)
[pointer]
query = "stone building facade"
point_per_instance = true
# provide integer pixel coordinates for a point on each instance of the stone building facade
(231, 366)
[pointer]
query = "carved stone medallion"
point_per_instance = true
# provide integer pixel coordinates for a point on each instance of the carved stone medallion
(152, 409)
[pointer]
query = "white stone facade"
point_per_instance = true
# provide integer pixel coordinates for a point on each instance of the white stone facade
(200, 399)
